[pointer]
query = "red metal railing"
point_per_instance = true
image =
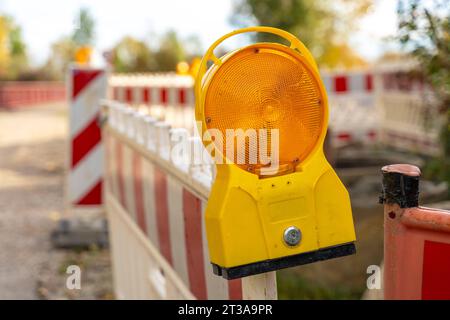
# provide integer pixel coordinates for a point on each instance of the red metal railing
(21, 94)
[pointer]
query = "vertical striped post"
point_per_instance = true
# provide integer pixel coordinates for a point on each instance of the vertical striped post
(86, 86)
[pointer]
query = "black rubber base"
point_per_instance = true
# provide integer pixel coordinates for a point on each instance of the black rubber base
(285, 262)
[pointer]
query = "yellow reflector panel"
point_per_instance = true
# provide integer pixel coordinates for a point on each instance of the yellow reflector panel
(267, 87)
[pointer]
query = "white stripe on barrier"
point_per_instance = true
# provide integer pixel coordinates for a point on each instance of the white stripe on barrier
(176, 228)
(149, 202)
(87, 173)
(85, 105)
(129, 181)
(357, 82)
(111, 165)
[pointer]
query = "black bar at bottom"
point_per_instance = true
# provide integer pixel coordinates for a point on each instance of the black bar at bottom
(285, 262)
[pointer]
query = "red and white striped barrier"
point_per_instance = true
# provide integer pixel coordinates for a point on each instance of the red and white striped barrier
(23, 94)
(416, 240)
(153, 89)
(366, 107)
(348, 83)
(351, 95)
(166, 201)
(353, 113)
(85, 87)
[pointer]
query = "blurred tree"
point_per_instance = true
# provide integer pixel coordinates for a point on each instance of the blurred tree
(324, 26)
(84, 33)
(132, 55)
(424, 30)
(170, 52)
(4, 49)
(64, 49)
(62, 54)
(13, 55)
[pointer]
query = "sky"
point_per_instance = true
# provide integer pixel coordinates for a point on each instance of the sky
(44, 21)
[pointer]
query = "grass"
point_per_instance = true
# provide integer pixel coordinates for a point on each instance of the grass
(291, 285)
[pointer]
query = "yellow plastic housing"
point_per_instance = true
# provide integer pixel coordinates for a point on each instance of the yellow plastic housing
(270, 85)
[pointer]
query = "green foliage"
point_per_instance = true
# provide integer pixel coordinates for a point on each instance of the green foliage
(84, 32)
(132, 55)
(324, 26)
(13, 54)
(293, 286)
(170, 52)
(424, 30)
(63, 50)
(62, 53)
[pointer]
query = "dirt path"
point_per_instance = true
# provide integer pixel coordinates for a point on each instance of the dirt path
(32, 144)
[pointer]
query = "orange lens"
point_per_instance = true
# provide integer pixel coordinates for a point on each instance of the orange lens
(266, 86)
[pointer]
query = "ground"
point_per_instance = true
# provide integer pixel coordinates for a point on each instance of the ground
(32, 157)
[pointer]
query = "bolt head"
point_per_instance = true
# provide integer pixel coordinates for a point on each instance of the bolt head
(292, 236)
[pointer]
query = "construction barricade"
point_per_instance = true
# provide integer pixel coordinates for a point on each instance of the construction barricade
(155, 208)
(416, 240)
(17, 94)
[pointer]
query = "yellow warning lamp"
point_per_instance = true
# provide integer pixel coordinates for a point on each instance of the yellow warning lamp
(260, 219)
(83, 55)
(182, 68)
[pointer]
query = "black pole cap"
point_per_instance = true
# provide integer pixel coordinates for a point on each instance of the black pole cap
(400, 185)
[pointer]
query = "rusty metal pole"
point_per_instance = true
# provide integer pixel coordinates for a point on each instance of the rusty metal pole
(416, 239)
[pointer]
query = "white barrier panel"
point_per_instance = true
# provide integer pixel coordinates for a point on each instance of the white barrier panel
(410, 121)
(164, 207)
(86, 86)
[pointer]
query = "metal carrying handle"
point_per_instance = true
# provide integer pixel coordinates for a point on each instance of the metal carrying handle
(295, 43)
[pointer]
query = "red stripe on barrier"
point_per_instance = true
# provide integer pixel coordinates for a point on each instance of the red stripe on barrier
(182, 96)
(138, 192)
(162, 214)
(436, 271)
(128, 95)
(340, 84)
(163, 95)
(344, 136)
(147, 95)
(192, 211)
(93, 196)
(81, 78)
(372, 134)
(369, 82)
(235, 289)
(85, 141)
(120, 178)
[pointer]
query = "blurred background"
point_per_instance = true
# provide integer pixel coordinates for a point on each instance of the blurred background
(402, 45)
